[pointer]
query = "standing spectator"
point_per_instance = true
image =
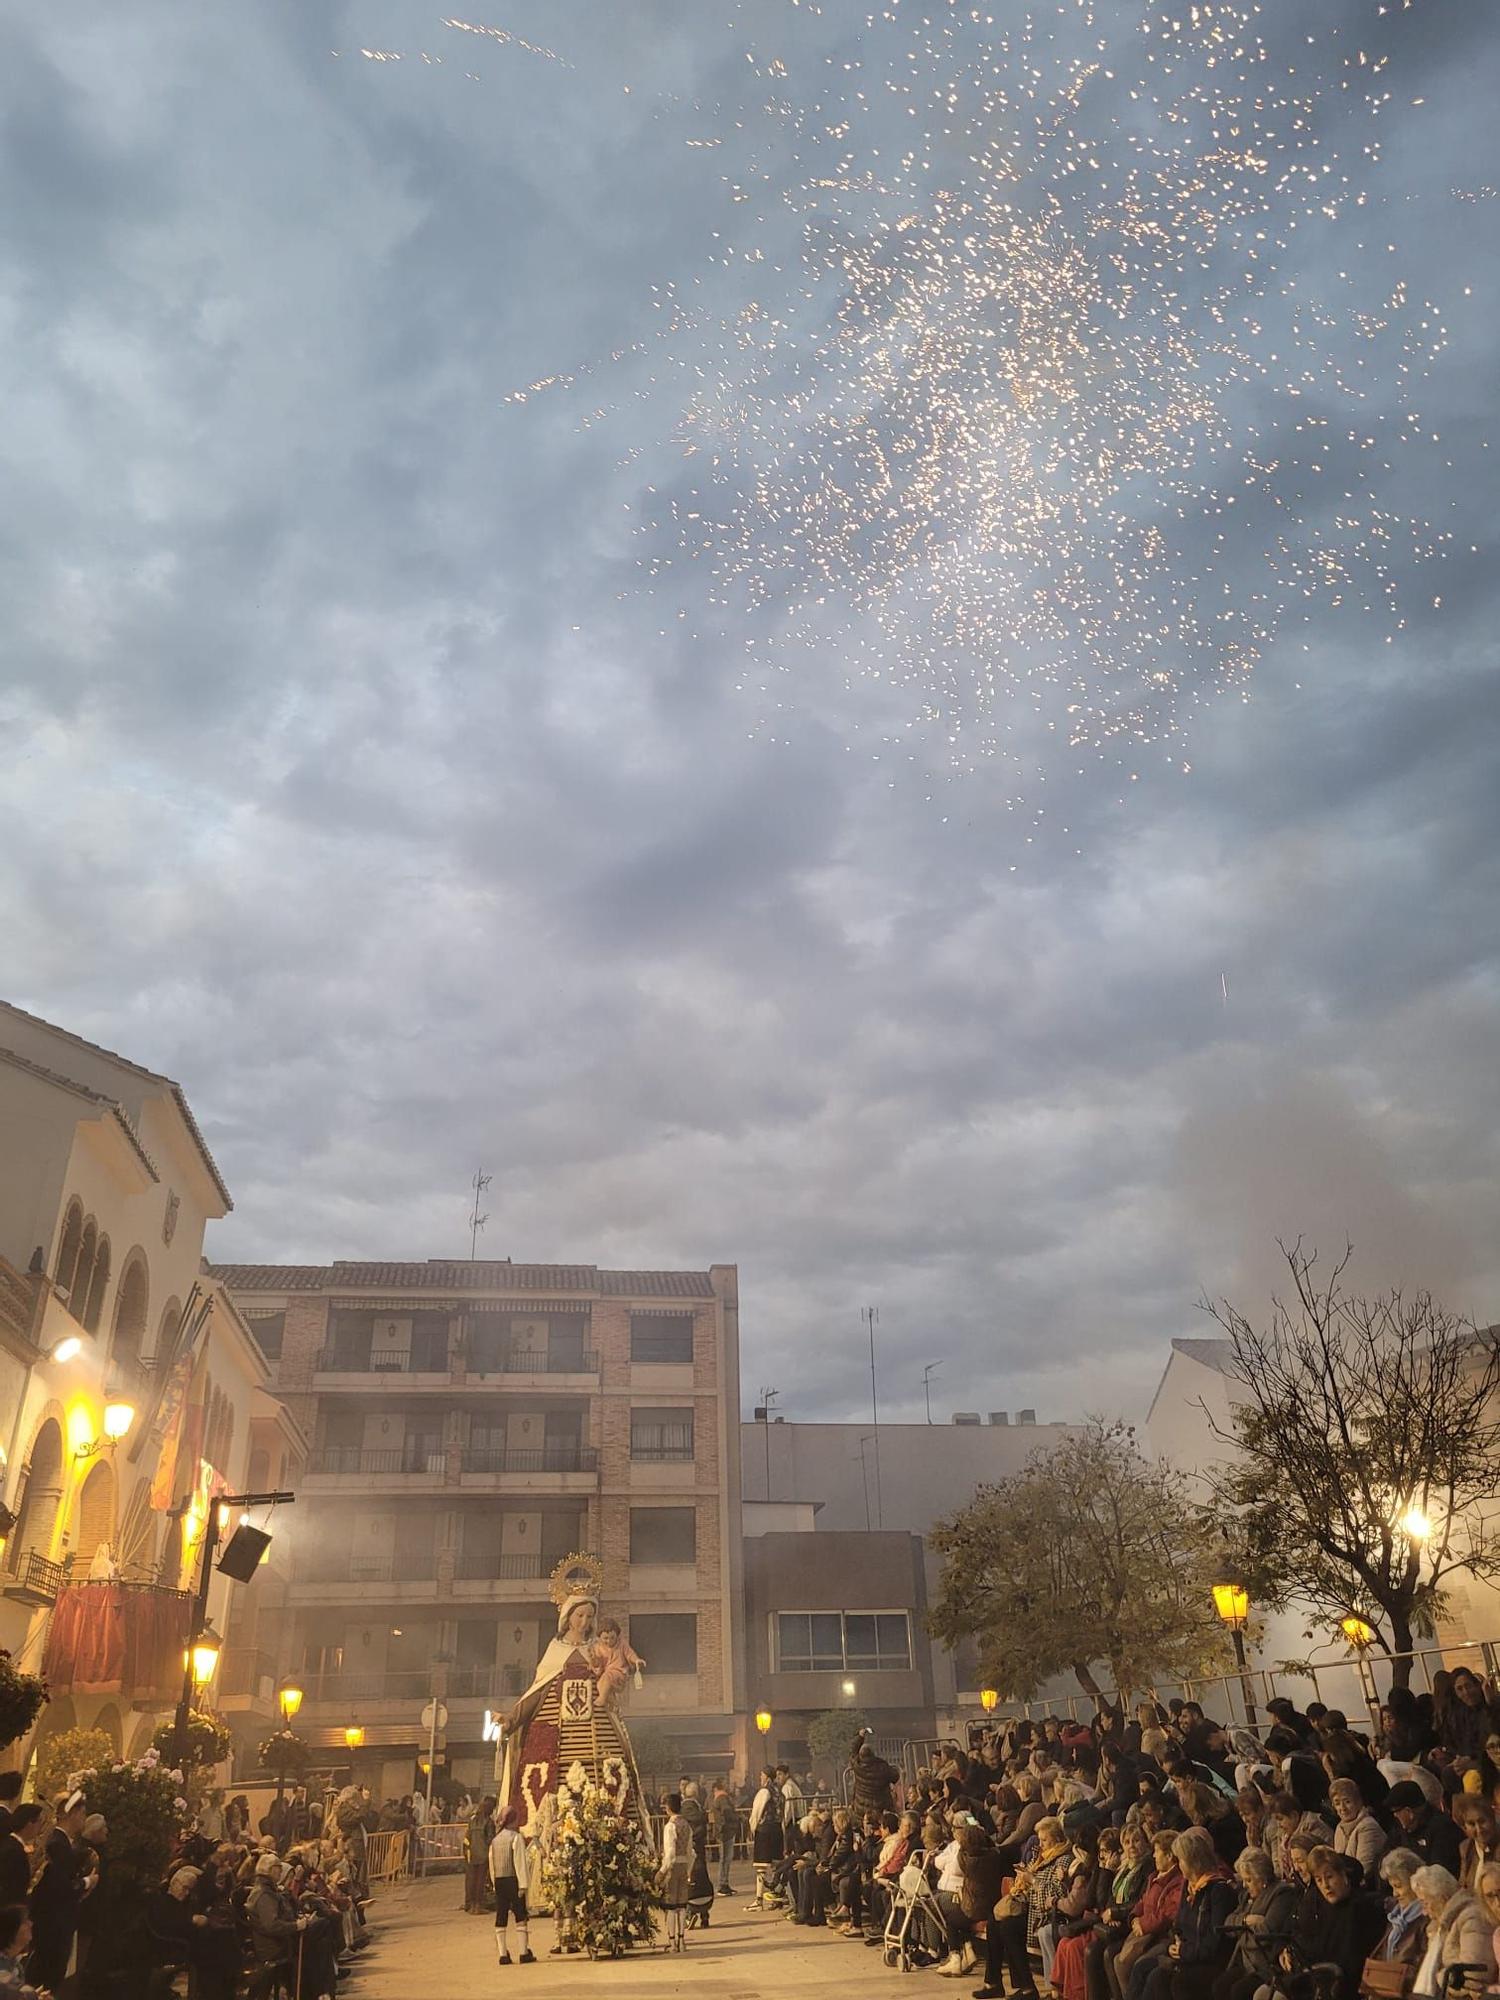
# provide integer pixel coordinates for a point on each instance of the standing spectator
(211, 1819)
(792, 1796)
(874, 1778)
(701, 1891)
(724, 1824)
(10, 1791)
(17, 1847)
(54, 1899)
(478, 1834)
(766, 1837)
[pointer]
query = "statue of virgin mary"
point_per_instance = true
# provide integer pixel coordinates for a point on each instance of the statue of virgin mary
(560, 1721)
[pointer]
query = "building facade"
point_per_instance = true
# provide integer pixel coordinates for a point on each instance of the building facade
(471, 1425)
(131, 1391)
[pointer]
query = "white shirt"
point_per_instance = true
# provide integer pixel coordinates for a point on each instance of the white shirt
(950, 1879)
(677, 1842)
(508, 1857)
(759, 1809)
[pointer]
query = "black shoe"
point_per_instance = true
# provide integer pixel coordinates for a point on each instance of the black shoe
(528, 1958)
(989, 1993)
(503, 1959)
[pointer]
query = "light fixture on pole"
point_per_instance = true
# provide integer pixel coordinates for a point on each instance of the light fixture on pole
(989, 1700)
(203, 1656)
(763, 1720)
(354, 1735)
(1356, 1631)
(289, 1700)
(849, 1690)
(118, 1417)
(1232, 1602)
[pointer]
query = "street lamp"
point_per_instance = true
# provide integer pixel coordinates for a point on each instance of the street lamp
(989, 1700)
(1232, 1602)
(1356, 1631)
(289, 1700)
(203, 1656)
(849, 1690)
(354, 1735)
(118, 1417)
(763, 1720)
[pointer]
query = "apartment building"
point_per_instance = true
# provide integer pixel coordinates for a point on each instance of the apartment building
(131, 1391)
(472, 1424)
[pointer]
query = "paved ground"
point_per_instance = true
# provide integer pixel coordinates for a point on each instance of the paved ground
(427, 1949)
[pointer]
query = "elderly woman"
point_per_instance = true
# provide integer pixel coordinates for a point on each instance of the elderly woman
(1458, 1931)
(1340, 1927)
(1405, 1937)
(1034, 1891)
(1086, 1896)
(1124, 1868)
(1201, 1941)
(1264, 1915)
(1488, 1891)
(1152, 1919)
(1285, 1818)
(1358, 1832)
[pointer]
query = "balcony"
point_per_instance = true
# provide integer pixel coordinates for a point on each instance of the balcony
(413, 1368)
(336, 1579)
(561, 1467)
(118, 1638)
(484, 1565)
(422, 1466)
(579, 1361)
(37, 1581)
(486, 1685)
(247, 1679)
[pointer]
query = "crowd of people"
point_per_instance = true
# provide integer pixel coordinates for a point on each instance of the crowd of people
(1165, 1856)
(236, 1912)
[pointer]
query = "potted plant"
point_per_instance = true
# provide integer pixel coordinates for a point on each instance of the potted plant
(22, 1698)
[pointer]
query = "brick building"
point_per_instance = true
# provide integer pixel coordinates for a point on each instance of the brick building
(471, 1424)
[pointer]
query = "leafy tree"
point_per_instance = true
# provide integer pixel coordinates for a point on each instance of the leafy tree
(1365, 1433)
(64, 1755)
(22, 1698)
(1092, 1554)
(830, 1735)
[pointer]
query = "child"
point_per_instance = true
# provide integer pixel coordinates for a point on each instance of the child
(614, 1660)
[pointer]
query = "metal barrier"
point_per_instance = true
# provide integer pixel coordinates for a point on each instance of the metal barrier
(439, 1847)
(387, 1856)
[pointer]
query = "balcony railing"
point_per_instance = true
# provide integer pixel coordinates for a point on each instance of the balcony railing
(117, 1638)
(245, 1670)
(476, 1565)
(566, 1361)
(489, 1683)
(37, 1578)
(351, 1458)
(659, 1452)
(327, 1568)
(397, 1361)
(559, 1457)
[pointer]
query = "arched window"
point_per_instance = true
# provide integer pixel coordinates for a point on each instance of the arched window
(67, 1248)
(96, 1517)
(83, 1272)
(40, 1496)
(98, 1279)
(131, 1297)
(166, 1332)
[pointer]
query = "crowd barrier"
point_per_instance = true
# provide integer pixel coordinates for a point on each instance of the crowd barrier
(387, 1856)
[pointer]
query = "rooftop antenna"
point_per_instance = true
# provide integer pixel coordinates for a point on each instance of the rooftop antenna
(477, 1221)
(767, 1398)
(870, 1315)
(864, 1473)
(927, 1374)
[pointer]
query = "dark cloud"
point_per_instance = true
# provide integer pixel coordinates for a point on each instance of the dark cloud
(351, 776)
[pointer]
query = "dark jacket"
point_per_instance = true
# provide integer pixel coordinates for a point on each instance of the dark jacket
(873, 1780)
(1436, 1839)
(1201, 1917)
(1258, 1950)
(1344, 1935)
(15, 1870)
(983, 1874)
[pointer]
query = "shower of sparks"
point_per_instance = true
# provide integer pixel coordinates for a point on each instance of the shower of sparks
(507, 38)
(1039, 418)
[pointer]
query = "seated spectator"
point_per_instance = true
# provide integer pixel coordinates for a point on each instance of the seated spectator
(1201, 1942)
(1080, 1926)
(969, 1878)
(1471, 1716)
(1344, 1925)
(1285, 1818)
(1260, 1922)
(15, 1943)
(1151, 1924)
(1425, 1828)
(1458, 1931)
(1405, 1938)
(1475, 1819)
(1357, 1831)
(894, 1854)
(1029, 1903)
(1117, 1917)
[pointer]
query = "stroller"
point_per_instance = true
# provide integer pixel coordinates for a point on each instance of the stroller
(914, 1927)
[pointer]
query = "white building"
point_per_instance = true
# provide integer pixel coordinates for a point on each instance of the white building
(131, 1390)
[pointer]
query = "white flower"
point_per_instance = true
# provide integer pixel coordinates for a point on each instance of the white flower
(180, 1804)
(175, 1776)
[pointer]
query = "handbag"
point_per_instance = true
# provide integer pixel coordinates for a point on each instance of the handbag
(1387, 1978)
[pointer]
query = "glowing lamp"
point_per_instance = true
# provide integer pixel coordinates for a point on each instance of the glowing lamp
(1416, 1524)
(354, 1735)
(989, 1700)
(289, 1700)
(118, 1417)
(204, 1655)
(849, 1690)
(69, 1349)
(763, 1721)
(1356, 1631)
(1232, 1602)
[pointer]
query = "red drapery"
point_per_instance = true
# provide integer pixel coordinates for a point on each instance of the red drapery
(115, 1638)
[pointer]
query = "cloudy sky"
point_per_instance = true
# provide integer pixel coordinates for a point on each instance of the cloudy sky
(354, 774)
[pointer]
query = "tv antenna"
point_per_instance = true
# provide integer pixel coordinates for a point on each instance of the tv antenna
(477, 1221)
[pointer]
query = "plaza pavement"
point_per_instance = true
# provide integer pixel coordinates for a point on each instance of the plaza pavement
(426, 1949)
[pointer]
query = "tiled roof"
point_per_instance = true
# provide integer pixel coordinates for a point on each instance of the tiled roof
(118, 1111)
(486, 1275)
(136, 1069)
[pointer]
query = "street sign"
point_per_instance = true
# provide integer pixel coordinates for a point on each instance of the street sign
(435, 1716)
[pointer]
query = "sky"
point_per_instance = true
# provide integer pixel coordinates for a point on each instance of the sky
(825, 783)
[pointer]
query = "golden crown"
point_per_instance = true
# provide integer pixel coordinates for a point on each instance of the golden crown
(577, 1576)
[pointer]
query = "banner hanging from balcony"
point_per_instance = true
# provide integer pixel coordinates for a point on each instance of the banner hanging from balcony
(117, 1638)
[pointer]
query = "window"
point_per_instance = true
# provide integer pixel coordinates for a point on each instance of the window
(268, 1329)
(661, 1434)
(830, 1642)
(663, 1535)
(661, 1337)
(667, 1641)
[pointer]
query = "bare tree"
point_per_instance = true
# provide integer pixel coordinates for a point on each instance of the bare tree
(1366, 1433)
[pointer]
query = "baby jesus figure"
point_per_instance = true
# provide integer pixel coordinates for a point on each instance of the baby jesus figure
(614, 1660)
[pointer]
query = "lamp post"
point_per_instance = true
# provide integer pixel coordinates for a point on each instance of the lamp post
(218, 1514)
(763, 1721)
(288, 1701)
(1361, 1635)
(354, 1735)
(1232, 1602)
(989, 1700)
